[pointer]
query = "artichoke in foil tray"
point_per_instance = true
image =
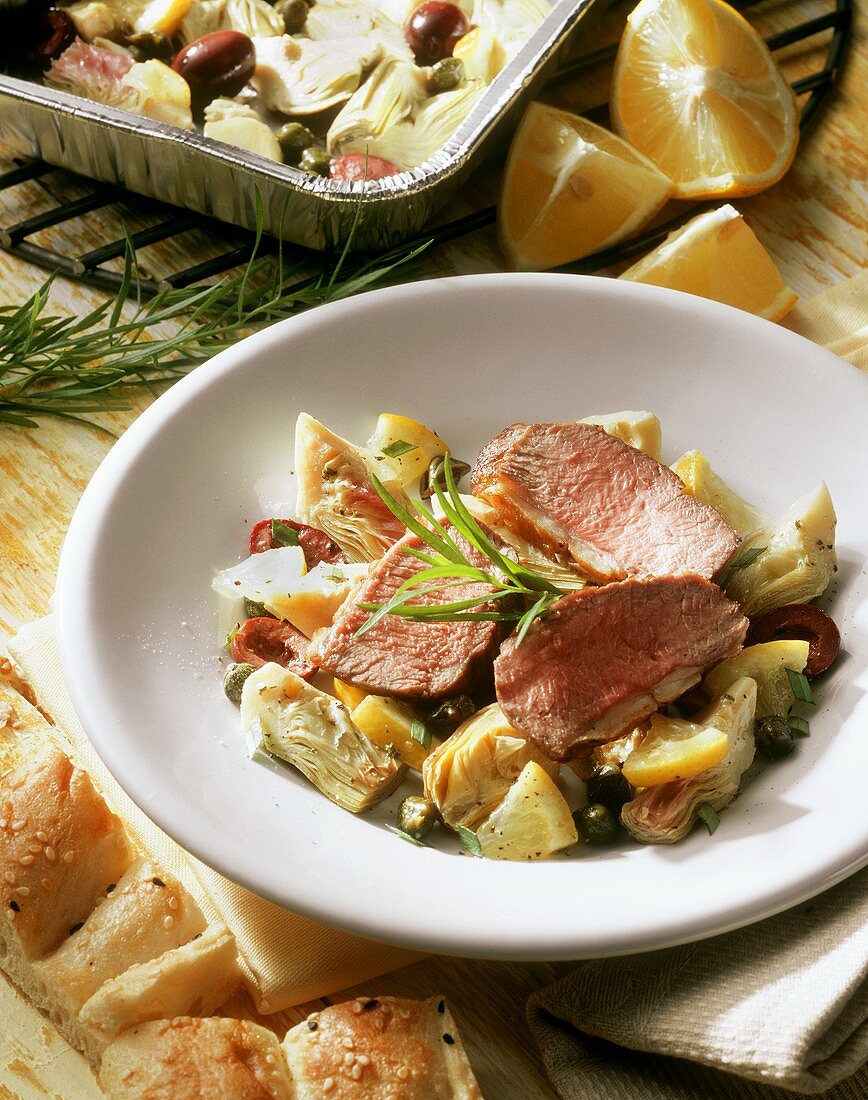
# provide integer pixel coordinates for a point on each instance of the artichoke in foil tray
(336, 494)
(239, 124)
(393, 93)
(665, 813)
(409, 143)
(330, 19)
(255, 18)
(288, 718)
(469, 775)
(511, 21)
(298, 76)
(791, 562)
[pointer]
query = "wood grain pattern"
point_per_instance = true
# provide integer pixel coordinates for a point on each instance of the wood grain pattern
(814, 225)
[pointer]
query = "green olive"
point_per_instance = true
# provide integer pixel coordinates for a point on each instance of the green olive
(774, 738)
(293, 13)
(450, 714)
(608, 787)
(446, 74)
(294, 139)
(316, 159)
(417, 816)
(596, 824)
(233, 681)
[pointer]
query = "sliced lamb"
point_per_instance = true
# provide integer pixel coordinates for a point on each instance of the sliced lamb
(616, 510)
(605, 658)
(403, 657)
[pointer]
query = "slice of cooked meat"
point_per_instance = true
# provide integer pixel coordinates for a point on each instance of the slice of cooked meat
(403, 657)
(605, 658)
(616, 510)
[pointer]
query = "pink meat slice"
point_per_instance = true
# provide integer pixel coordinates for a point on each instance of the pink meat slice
(615, 510)
(403, 657)
(603, 659)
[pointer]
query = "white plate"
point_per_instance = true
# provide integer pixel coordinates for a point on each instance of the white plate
(175, 499)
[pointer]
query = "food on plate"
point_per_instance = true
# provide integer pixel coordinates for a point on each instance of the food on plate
(121, 939)
(697, 91)
(717, 255)
(405, 657)
(294, 721)
(615, 510)
(607, 657)
(791, 561)
(368, 90)
(578, 617)
(571, 188)
(381, 1047)
(664, 813)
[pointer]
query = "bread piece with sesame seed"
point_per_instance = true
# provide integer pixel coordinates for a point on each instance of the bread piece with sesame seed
(380, 1048)
(189, 1058)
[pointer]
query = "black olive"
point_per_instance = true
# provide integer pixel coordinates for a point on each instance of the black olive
(774, 738)
(608, 787)
(596, 824)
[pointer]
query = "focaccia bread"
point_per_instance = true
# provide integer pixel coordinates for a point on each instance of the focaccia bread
(91, 930)
(191, 1059)
(380, 1048)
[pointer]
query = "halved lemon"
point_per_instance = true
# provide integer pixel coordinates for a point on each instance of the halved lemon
(532, 821)
(570, 188)
(717, 255)
(696, 90)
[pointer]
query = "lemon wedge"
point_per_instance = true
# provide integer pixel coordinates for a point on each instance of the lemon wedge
(767, 664)
(673, 749)
(531, 822)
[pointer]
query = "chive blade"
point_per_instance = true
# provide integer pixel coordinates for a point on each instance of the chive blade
(800, 686)
(469, 841)
(799, 726)
(708, 816)
(283, 534)
(420, 733)
(406, 836)
(398, 448)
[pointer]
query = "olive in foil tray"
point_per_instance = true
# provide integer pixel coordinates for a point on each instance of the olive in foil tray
(283, 715)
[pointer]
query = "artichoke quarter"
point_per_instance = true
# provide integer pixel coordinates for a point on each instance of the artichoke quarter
(665, 814)
(255, 18)
(312, 731)
(797, 562)
(298, 76)
(392, 94)
(332, 19)
(511, 21)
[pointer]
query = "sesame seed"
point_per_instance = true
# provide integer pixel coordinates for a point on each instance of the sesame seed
(10, 913)
(402, 1073)
(312, 1025)
(46, 885)
(328, 1084)
(357, 1007)
(25, 861)
(356, 1072)
(67, 857)
(35, 848)
(404, 1013)
(16, 723)
(347, 1043)
(349, 1058)
(270, 1059)
(363, 1060)
(13, 905)
(447, 1038)
(50, 854)
(3, 822)
(158, 882)
(372, 1003)
(23, 891)
(173, 903)
(441, 1007)
(18, 825)
(127, 1075)
(313, 1017)
(10, 878)
(41, 836)
(168, 921)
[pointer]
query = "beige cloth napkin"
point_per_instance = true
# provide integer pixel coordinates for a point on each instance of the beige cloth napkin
(783, 1003)
(286, 958)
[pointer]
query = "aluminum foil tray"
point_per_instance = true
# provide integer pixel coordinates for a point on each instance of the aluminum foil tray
(187, 169)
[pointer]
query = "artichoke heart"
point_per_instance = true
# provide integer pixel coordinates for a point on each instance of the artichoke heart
(468, 776)
(336, 494)
(298, 76)
(532, 557)
(331, 19)
(255, 18)
(312, 731)
(797, 563)
(511, 21)
(665, 814)
(637, 429)
(392, 94)
(703, 483)
(413, 141)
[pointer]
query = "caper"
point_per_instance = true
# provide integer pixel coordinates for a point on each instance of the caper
(417, 816)
(436, 474)
(315, 159)
(293, 13)
(151, 45)
(450, 714)
(596, 824)
(448, 73)
(607, 787)
(774, 738)
(294, 139)
(254, 610)
(234, 679)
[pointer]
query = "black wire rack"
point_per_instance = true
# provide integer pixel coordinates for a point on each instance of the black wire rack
(171, 221)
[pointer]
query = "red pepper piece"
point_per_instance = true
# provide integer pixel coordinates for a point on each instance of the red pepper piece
(262, 639)
(315, 544)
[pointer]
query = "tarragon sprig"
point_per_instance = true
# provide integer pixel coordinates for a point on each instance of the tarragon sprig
(518, 594)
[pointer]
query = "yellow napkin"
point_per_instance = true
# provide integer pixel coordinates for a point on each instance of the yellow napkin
(286, 958)
(758, 1014)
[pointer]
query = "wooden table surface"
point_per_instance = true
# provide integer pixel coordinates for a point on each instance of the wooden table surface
(813, 224)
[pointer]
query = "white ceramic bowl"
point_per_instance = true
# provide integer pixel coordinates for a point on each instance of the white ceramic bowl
(176, 497)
